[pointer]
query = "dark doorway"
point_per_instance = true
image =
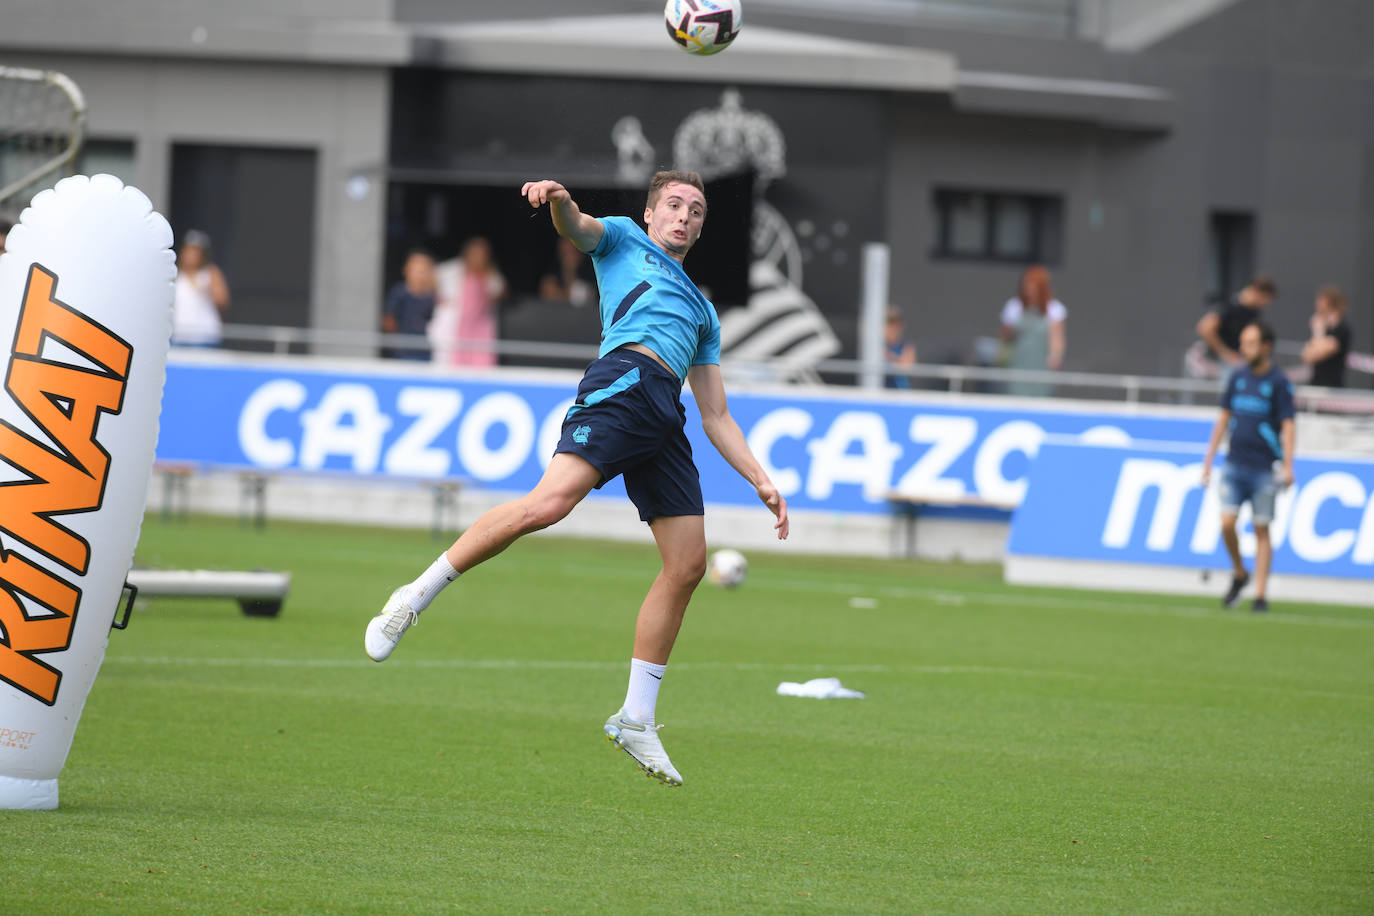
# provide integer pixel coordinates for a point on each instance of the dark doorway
(440, 217)
(258, 205)
(1231, 253)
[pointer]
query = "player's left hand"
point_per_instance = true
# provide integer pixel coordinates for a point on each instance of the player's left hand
(1283, 478)
(777, 505)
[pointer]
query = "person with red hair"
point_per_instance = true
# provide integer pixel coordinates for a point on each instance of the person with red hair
(1033, 329)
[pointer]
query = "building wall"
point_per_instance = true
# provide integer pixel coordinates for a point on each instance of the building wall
(1280, 109)
(340, 112)
(1271, 116)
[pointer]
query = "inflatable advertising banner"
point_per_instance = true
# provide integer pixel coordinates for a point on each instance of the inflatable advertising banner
(85, 316)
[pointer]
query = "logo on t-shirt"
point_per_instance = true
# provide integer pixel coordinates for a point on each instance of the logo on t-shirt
(656, 262)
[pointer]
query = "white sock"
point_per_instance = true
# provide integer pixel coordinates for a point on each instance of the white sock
(432, 582)
(642, 695)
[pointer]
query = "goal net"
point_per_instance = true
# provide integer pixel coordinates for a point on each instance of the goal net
(42, 122)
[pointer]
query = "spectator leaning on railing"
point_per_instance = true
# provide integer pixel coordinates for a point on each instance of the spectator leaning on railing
(1220, 328)
(1033, 329)
(1326, 350)
(410, 303)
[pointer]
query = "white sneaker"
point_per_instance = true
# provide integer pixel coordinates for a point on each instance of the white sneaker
(386, 629)
(640, 741)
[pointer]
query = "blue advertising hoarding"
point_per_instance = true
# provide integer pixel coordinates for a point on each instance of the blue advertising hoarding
(1147, 506)
(835, 453)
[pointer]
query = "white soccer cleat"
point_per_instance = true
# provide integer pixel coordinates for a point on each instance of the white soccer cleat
(386, 629)
(640, 741)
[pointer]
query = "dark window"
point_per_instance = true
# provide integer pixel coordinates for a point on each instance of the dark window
(111, 157)
(997, 226)
(1230, 253)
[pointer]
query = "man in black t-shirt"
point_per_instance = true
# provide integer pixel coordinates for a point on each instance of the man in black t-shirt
(1220, 329)
(1327, 348)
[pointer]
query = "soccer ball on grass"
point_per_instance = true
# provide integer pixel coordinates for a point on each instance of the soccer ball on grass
(727, 568)
(703, 26)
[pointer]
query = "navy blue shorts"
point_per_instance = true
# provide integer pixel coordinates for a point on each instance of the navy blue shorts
(628, 420)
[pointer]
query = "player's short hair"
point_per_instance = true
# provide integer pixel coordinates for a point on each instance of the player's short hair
(1265, 284)
(1266, 331)
(1334, 296)
(663, 179)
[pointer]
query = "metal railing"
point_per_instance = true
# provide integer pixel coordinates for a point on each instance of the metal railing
(954, 379)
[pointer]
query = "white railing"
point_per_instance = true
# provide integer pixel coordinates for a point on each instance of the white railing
(955, 379)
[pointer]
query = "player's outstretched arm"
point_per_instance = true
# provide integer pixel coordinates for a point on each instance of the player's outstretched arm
(726, 436)
(582, 230)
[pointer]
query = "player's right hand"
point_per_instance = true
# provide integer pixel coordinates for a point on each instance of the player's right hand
(777, 505)
(541, 192)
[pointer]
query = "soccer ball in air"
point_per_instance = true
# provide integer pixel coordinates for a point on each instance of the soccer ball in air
(727, 568)
(703, 26)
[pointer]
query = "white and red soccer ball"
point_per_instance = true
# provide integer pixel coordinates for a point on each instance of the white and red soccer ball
(703, 26)
(727, 568)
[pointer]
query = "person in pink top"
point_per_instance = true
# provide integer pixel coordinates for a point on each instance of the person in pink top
(469, 290)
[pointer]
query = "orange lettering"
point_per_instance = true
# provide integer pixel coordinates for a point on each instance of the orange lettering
(27, 635)
(65, 473)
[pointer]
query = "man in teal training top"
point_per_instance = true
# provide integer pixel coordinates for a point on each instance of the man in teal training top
(657, 330)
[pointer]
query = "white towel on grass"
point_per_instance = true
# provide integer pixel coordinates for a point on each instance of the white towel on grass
(820, 688)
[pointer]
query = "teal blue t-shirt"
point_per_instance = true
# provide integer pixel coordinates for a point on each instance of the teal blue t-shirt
(647, 298)
(1259, 404)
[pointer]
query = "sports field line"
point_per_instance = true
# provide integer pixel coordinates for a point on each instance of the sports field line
(819, 669)
(1125, 605)
(1128, 602)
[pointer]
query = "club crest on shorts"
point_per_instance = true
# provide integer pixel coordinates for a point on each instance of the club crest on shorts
(581, 434)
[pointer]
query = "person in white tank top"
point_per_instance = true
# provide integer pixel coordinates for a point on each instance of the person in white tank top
(202, 295)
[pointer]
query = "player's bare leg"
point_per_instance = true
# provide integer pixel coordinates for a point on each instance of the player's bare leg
(1264, 555)
(1239, 577)
(681, 543)
(682, 546)
(566, 481)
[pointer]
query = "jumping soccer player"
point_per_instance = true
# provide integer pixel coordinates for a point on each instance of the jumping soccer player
(657, 329)
(1257, 409)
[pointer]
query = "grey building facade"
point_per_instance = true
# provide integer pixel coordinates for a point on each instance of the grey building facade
(1151, 154)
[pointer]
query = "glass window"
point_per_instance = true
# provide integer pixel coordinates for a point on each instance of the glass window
(108, 157)
(1013, 229)
(998, 226)
(968, 223)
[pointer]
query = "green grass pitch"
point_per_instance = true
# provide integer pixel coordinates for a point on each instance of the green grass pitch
(1019, 751)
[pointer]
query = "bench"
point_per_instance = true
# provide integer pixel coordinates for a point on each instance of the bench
(444, 493)
(259, 594)
(176, 481)
(175, 478)
(907, 506)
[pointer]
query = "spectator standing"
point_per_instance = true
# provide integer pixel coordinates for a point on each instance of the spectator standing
(1220, 328)
(900, 352)
(468, 289)
(1033, 327)
(410, 303)
(567, 283)
(202, 295)
(1329, 345)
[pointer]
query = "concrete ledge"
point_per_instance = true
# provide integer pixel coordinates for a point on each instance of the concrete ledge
(1176, 580)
